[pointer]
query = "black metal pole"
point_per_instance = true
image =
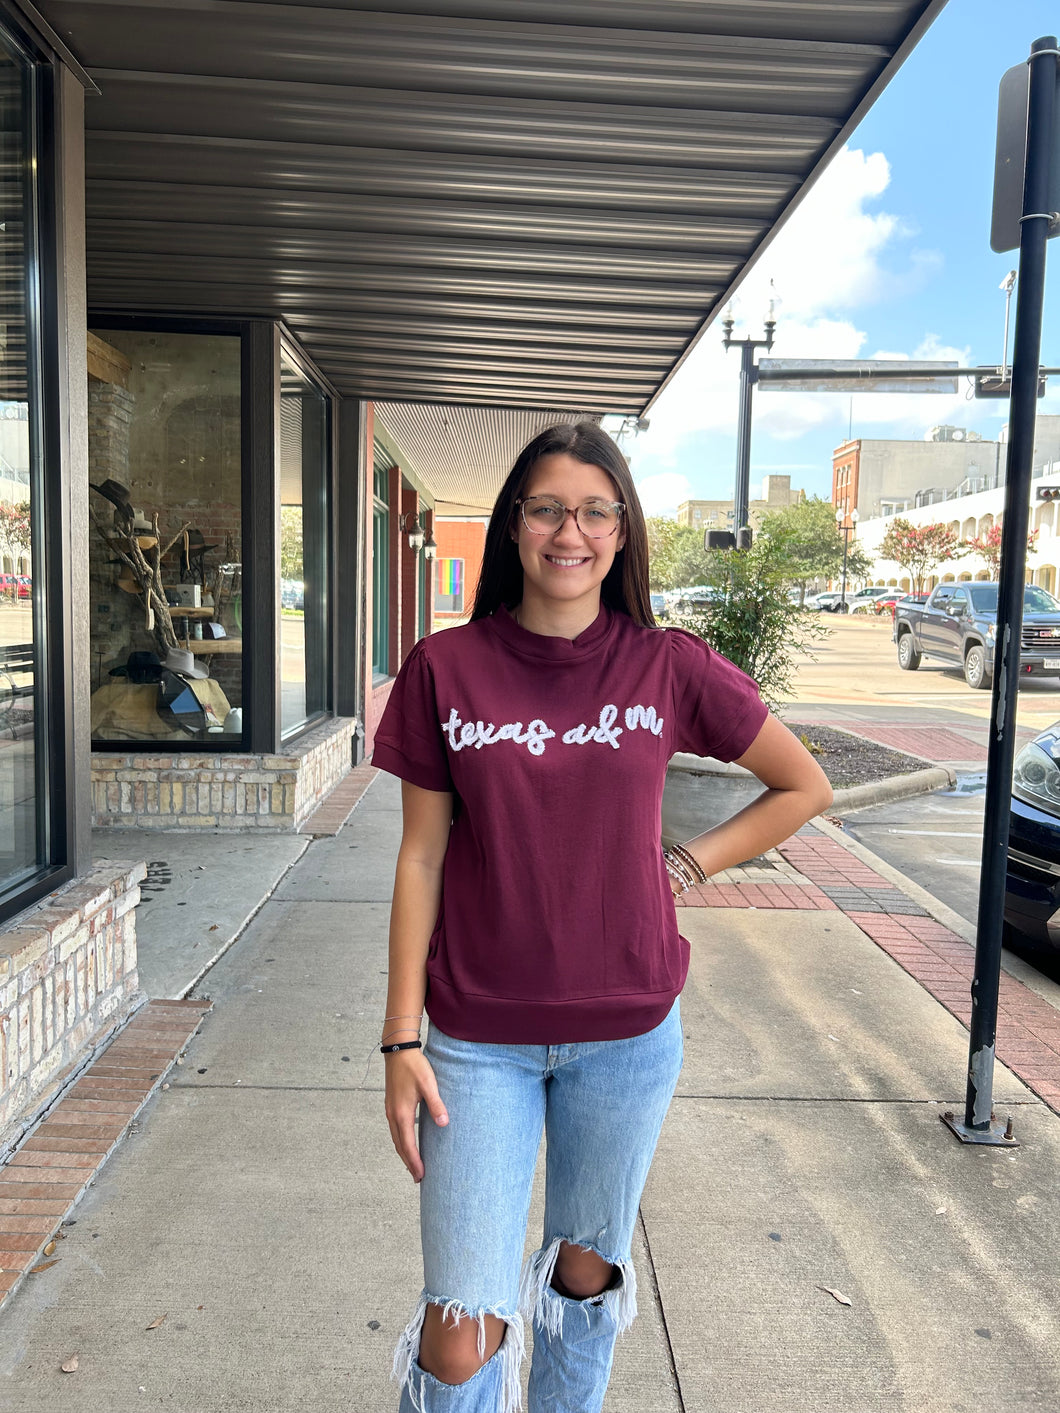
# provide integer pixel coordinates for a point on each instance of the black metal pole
(1025, 365)
(742, 496)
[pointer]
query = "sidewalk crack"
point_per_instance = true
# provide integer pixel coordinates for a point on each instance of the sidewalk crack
(662, 1313)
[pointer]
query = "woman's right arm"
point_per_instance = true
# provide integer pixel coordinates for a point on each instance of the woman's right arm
(426, 819)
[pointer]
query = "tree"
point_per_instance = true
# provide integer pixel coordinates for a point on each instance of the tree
(676, 557)
(752, 620)
(919, 548)
(808, 538)
(15, 534)
(988, 546)
(291, 542)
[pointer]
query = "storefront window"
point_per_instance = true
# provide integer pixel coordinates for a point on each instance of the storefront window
(23, 757)
(303, 548)
(166, 536)
(381, 564)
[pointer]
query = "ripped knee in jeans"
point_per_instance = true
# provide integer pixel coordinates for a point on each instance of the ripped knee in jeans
(546, 1306)
(408, 1372)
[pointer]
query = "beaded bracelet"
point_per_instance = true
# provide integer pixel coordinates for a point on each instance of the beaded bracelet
(690, 861)
(677, 873)
(404, 1045)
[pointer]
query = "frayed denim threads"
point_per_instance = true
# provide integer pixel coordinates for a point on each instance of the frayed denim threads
(600, 1106)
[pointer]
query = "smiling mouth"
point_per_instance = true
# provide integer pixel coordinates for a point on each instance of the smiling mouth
(566, 563)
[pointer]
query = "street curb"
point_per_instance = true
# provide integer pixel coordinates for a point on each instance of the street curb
(894, 787)
(941, 912)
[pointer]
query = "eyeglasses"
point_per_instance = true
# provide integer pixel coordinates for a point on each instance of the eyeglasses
(596, 519)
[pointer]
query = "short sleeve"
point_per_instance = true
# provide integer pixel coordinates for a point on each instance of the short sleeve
(717, 709)
(408, 742)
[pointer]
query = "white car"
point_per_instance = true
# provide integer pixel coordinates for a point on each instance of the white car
(828, 602)
(866, 602)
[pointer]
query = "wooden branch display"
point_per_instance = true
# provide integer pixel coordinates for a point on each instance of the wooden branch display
(144, 561)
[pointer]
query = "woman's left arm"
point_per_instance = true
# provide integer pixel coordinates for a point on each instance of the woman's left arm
(797, 789)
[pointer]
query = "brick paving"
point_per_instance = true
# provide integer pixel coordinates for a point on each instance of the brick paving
(50, 1170)
(820, 874)
(48, 1173)
(335, 808)
(940, 744)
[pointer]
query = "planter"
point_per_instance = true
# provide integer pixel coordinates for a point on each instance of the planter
(701, 792)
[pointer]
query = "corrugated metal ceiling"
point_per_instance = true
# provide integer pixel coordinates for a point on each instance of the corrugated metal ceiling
(516, 204)
(464, 453)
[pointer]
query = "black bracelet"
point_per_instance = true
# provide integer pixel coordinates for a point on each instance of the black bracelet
(404, 1045)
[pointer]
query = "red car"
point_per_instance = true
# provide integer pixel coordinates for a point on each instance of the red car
(25, 586)
(887, 602)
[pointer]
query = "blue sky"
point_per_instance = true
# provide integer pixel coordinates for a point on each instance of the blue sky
(888, 255)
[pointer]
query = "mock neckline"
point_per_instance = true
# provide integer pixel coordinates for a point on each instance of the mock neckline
(547, 649)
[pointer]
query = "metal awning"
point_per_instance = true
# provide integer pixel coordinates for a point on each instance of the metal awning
(454, 201)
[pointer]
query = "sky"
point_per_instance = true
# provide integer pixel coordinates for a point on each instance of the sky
(888, 256)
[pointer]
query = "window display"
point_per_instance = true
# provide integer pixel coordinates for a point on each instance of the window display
(166, 536)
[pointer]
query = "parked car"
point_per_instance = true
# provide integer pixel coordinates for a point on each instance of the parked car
(870, 593)
(1032, 879)
(889, 602)
(9, 586)
(866, 602)
(292, 594)
(25, 586)
(828, 602)
(658, 605)
(688, 600)
(957, 626)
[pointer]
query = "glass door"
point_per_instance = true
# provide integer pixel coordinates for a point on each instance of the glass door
(303, 548)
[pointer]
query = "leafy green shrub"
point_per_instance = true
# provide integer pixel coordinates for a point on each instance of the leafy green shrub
(751, 618)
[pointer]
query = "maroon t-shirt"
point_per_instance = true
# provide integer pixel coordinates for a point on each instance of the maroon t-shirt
(557, 922)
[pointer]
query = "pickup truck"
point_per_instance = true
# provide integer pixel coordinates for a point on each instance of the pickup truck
(957, 626)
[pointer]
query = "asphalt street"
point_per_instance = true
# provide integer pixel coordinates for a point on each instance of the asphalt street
(936, 840)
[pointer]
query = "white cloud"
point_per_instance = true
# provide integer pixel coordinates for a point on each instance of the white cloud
(825, 263)
(663, 493)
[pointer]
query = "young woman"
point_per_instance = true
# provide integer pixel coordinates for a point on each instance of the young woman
(533, 915)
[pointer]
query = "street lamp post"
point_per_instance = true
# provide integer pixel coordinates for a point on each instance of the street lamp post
(847, 531)
(748, 378)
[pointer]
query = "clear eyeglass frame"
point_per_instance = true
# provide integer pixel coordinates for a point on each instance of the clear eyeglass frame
(575, 510)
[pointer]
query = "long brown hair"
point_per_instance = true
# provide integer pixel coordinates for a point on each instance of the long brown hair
(626, 586)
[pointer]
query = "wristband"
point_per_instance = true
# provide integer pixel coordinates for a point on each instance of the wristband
(403, 1045)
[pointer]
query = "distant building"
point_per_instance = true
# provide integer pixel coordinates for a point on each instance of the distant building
(777, 494)
(970, 507)
(880, 478)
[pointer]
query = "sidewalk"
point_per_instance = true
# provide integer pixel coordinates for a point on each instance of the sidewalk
(256, 1204)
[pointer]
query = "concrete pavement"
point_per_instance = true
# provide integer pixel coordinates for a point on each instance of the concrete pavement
(257, 1205)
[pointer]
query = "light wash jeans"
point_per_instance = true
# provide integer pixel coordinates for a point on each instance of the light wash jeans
(601, 1105)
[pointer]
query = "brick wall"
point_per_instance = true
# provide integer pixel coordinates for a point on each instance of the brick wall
(461, 539)
(67, 981)
(185, 791)
(410, 575)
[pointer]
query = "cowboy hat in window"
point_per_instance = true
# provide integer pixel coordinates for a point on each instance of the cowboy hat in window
(140, 667)
(191, 556)
(183, 663)
(118, 495)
